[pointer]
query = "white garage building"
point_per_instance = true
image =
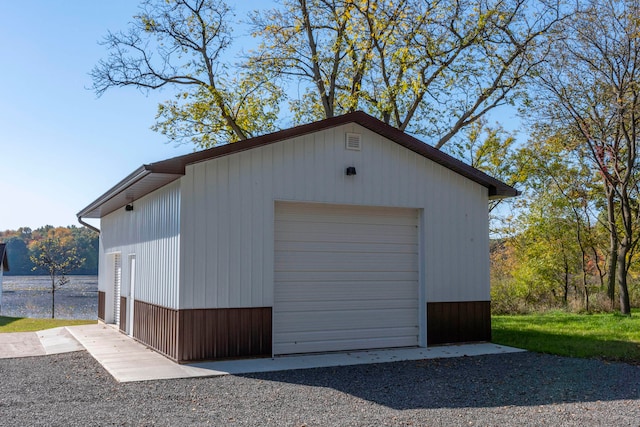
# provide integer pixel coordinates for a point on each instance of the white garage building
(337, 235)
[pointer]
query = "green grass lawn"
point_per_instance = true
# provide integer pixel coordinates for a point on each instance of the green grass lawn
(604, 336)
(24, 324)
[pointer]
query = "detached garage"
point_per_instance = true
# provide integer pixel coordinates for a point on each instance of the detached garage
(344, 234)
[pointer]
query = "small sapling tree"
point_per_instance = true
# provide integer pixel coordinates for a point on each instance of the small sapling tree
(55, 255)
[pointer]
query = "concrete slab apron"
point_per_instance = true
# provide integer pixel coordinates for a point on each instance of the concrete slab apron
(127, 360)
(20, 344)
(284, 363)
(41, 343)
(58, 340)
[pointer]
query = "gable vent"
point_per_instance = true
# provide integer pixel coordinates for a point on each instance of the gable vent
(353, 141)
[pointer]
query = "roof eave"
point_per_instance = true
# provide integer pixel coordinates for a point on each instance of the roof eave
(504, 191)
(133, 177)
(121, 193)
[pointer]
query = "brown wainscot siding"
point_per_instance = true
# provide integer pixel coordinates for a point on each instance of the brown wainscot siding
(123, 314)
(101, 304)
(222, 333)
(156, 327)
(204, 334)
(455, 322)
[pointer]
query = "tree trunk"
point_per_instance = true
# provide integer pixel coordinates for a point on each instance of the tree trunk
(613, 247)
(584, 280)
(53, 296)
(584, 258)
(625, 246)
(625, 306)
(611, 274)
(565, 290)
(565, 296)
(596, 258)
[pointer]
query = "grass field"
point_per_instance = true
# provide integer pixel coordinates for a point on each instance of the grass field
(604, 336)
(24, 324)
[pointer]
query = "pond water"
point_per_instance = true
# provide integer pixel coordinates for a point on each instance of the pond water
(30, 296)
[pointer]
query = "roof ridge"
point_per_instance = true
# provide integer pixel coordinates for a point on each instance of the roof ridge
(168, 170)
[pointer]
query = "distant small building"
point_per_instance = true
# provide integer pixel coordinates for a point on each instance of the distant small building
(4, 266)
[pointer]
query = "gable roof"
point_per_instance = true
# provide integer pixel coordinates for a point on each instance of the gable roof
(150, 177)
(4, 260)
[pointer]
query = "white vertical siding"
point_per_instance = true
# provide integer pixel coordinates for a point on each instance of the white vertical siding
(151, 232)
(227, 221)
(102, 265)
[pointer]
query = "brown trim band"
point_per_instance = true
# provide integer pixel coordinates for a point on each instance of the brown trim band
(455, 322)
(123, 314)
(102, 298)
(222, 333)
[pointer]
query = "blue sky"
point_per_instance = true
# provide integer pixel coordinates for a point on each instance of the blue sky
(60, 146)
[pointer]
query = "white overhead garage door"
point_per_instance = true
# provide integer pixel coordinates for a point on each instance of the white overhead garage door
(346, 278)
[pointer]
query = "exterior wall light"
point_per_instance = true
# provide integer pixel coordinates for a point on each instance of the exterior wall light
(351, 171)
(128, 208)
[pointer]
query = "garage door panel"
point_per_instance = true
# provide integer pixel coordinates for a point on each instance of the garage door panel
(293, 305)
(324, 214)
(301, 228)
(288, 347)
(344, 262)
(346, 235)
(345, 320)
(329, 263)
(352, 276)
(341, 335)
(287, 246)
(318, 212)
(344, 222)
(345, 278)
(327, 291)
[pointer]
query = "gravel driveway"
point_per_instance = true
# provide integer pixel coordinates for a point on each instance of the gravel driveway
(497, 390)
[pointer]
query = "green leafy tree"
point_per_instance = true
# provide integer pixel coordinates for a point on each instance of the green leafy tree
(556, 250)
(497, 152)
(18, 242)
(548, 259)
(56, 256)
(182, 44)
(428, 68)
(86, 241)
(559, 223)
(431, 68)
(590, 92)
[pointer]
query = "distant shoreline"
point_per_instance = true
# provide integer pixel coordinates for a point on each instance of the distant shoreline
(30, 296)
